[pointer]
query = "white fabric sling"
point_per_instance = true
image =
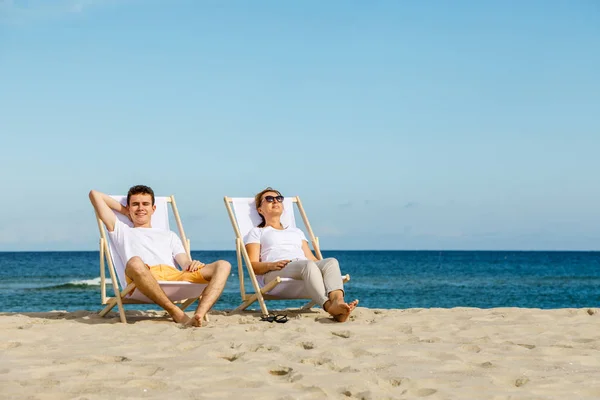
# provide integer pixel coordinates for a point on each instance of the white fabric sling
(175, 291)
(247, 218)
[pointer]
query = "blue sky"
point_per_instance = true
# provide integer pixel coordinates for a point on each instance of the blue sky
(401, 124)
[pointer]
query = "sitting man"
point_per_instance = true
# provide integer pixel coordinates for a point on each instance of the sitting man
(148, 253)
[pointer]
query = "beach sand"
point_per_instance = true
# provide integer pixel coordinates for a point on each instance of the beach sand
(460, 353)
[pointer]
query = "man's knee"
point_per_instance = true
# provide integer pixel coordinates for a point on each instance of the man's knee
(135, 266)
(224, 266)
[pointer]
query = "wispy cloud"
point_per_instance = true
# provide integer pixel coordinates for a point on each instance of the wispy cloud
(411, 204)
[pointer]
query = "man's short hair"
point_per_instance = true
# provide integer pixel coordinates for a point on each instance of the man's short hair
(140, 189)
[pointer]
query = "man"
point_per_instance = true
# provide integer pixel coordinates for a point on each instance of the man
(148, 253)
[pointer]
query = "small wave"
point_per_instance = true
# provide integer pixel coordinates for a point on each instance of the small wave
(77, 284)
(88, 282)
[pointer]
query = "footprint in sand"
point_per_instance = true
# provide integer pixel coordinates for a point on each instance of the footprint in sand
(262, 347)
(521, 381)
(358, 395)
(233, 357)
(342, 334)
(527, 346)
(281, 371)
(430, 340)
(345, 369)
(307, 345)
(425, 392)
(472, 348)
(315, 361)
(398, 381)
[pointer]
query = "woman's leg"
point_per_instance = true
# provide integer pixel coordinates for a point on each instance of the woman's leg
(334, 286)
(309, 273)
(332, 276)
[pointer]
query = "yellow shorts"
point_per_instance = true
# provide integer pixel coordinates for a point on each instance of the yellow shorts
(168, 273)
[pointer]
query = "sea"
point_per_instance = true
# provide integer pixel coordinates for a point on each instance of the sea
(47, 281)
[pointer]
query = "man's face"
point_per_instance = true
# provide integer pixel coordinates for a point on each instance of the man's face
(141, 209)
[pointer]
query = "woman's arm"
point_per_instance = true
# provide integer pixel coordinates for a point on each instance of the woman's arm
(307, 252)
(261, 268)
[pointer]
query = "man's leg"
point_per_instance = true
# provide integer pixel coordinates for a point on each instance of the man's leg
(216, 274)
(137, 271)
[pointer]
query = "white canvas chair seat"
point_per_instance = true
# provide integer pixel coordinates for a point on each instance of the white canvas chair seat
(175, 291)
(244, 217)
(185, 292)
(288, 288)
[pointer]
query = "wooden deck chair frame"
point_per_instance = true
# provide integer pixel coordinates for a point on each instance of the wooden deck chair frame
(260, 294)
(120, 297)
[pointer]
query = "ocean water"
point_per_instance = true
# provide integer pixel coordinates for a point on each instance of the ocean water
(45, 281)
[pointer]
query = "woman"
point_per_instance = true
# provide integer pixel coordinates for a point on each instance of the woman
(276, 250)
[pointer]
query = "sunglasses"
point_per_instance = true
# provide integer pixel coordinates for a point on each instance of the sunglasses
(271, 199)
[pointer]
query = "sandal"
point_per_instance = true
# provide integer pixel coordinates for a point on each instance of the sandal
(280, 318)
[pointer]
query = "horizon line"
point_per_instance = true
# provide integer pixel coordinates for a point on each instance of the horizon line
(403, 250)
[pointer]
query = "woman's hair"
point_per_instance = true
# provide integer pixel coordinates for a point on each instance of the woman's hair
(257, 202)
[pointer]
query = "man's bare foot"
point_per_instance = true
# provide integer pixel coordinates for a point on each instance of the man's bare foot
(181, 318)
(353, 304)
(196, 321)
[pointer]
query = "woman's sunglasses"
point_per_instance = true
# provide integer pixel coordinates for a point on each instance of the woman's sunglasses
(271, 199)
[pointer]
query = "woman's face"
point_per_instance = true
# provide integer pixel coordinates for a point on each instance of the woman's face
(271, 204)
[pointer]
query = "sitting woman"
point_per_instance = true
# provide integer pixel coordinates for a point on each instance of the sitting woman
(276, 250)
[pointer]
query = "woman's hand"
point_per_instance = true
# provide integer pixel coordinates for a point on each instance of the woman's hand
(195, 265)
(278, 265)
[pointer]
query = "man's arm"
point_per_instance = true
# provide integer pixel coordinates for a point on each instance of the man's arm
(186, 263)
(104, 206)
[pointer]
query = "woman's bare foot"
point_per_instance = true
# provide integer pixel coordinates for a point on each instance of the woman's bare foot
(339, 310)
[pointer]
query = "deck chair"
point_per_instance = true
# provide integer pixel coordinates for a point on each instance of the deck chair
(243, 215)
(184, 293)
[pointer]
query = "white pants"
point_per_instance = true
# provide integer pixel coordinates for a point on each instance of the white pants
(320, 277)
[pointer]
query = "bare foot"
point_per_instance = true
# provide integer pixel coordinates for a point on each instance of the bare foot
(353, 305)
(339, 310)
(196, 321)
(181, 318)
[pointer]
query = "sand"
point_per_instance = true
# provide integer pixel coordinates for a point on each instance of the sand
(460, 353)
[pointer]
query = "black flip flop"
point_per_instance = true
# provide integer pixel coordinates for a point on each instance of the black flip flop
(280, 318)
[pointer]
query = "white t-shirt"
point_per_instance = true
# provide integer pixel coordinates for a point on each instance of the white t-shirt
(154, 246)
(276, 244)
